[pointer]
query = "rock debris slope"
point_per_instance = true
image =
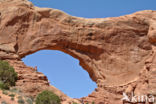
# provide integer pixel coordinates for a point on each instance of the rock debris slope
(119, 53)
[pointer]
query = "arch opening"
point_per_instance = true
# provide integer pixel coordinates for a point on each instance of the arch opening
(63, 71)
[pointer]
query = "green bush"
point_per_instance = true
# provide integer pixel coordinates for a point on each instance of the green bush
(12, 98)
(47, 97)
(15, 90)
(74, 103)
(29, 101)
(8, 76)
(3, 102)
(5, 92)
(31, 97)
(3, 85)
(21, 101)
(12, 95)
(20, 97)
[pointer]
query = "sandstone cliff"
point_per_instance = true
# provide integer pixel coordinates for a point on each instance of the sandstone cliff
(119, 53)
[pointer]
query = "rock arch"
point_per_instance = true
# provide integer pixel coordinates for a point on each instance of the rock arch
(114, 51)
(63, 71)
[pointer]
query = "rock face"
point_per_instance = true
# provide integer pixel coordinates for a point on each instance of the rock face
(119, 53)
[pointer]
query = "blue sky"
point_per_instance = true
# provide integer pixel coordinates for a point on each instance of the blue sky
(98, 8)
(63, 70)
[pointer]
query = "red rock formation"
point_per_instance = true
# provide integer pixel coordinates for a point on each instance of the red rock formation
(118, 53)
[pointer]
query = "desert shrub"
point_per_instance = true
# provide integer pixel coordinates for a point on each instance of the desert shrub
(3, 102)
(20, 97)
(29, 101)
(15, 90)
(31, 97)
(21, 101)
(74, 103)
(3, 85)
(12, 95)
(5, 92)
(12, 98)
(47, 97)
(8, 76)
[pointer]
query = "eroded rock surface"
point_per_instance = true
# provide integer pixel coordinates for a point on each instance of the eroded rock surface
(119, 53)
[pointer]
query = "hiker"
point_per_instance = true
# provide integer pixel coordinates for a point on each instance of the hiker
(35, 68)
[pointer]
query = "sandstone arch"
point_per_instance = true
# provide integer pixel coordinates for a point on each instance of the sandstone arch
(114, 51)
(63, 71)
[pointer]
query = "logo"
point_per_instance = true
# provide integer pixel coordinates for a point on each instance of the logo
(138, 98)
